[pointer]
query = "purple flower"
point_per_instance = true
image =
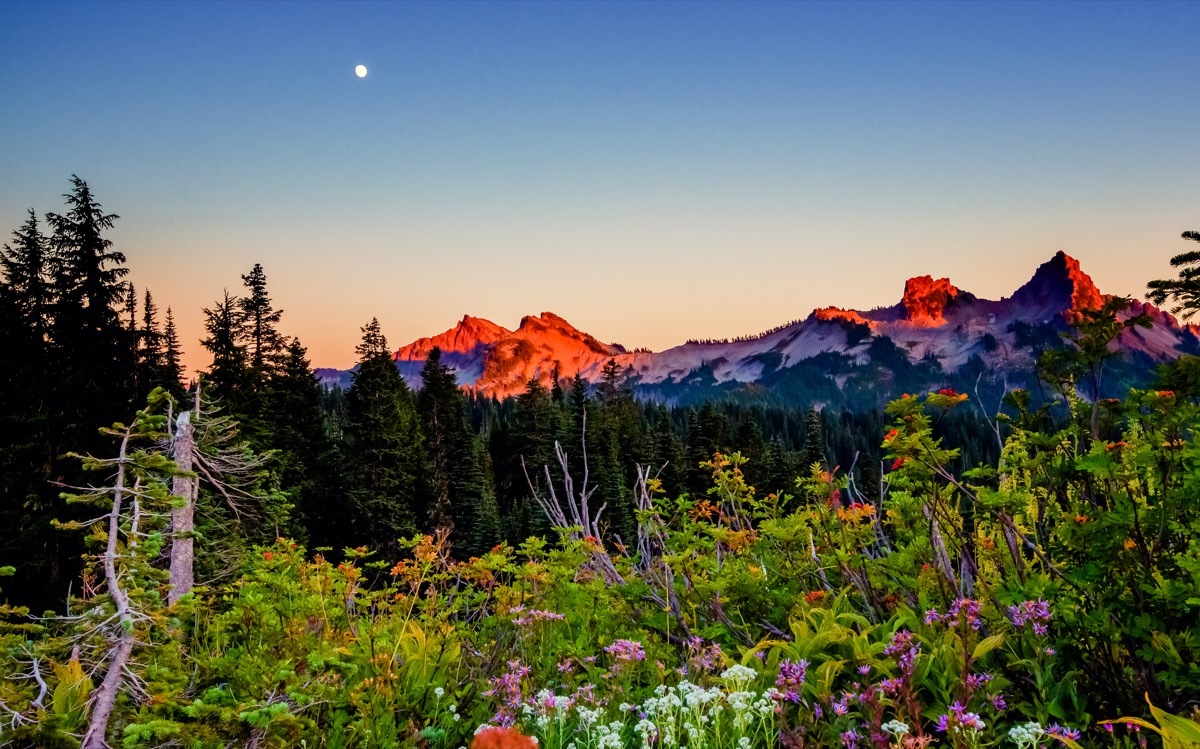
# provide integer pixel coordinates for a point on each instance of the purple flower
(966, 608)
(840, 707)
(850, 739)
(975, 681)
(943, 722)
(1065, 732)
(791, 675)
(891, 686)
(998, 702)
(864, 669)
(1025, 612)
(932, 616)
(626, 650)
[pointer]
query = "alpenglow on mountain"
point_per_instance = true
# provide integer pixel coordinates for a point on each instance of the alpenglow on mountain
(937, 336)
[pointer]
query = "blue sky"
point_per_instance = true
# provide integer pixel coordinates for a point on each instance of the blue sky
(649, 171)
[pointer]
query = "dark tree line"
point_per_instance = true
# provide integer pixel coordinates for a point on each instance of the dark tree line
(75, 354)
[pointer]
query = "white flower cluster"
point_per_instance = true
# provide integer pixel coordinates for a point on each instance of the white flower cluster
(896, 727)
(739, 674)
(1027, 735)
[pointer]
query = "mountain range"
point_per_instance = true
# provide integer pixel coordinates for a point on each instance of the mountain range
(937, 335)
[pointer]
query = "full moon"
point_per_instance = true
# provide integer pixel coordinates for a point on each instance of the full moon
(360, 71)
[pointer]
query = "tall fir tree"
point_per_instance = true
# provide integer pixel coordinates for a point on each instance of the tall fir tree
(306, 457)
(263, 343)
(460, 497)
(151, 365)
(383, 451)
(27, 404)
(172, 368)
(229, 376)
(814, 443)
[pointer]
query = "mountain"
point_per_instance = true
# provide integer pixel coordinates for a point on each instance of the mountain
(500, 362)
(937, 335)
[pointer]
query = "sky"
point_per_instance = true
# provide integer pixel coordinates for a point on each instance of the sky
(651, 172)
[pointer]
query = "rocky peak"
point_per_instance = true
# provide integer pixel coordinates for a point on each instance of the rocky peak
(469, 334)
(1061, 284)
(925, 298)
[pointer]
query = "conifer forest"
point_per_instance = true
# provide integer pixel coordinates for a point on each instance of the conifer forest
(245, 556)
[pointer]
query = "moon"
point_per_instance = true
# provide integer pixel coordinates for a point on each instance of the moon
(360, 71)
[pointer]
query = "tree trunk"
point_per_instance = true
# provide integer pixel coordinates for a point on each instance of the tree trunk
(183, 518)
(106, 695)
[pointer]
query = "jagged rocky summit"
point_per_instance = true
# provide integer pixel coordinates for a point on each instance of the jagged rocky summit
(937, 335)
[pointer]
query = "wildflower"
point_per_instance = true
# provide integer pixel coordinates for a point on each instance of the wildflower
(899, 462)
(975, 681)
(998, 702)
(864, 669)
(966, 608)
(850, 739)
(813, 596)
(1026, 736)
(626, 650)
(739, 673)
(1130, 543)
(948, 392)
(1065, 732)
(439, 692)
(896, 727)
(791, 678)
(932, 616)
(891, 435)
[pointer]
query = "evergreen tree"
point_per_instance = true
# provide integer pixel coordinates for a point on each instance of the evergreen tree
(27, 443)
(460, 496)
(230, 375)
(88, 357)
(263, 343)
(26, 266)
(779, 470)
(172, 369)
(88, 338)
(306, 456)
(382, 452)
(814, 443)
(151, 365)
(1183, 292)
(665, 452)
(522, 448)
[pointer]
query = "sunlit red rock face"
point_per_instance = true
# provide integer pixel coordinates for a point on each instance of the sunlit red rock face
(827, 314)
(1060, 287)
(925, 298)
(934, 319)
(500, 362)
(470, 334)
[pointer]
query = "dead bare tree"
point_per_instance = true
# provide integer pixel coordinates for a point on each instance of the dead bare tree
(204, 445)
(137, 501)
(571, 513)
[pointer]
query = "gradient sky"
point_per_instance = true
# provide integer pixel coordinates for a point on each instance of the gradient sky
(651, 172)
